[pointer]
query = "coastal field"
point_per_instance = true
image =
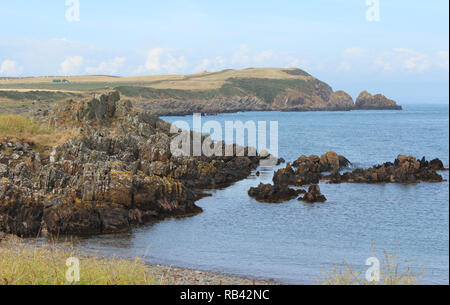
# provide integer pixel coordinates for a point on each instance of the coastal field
(197, 81)
(18, 95)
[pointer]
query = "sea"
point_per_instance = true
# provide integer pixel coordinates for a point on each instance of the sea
(296, 242)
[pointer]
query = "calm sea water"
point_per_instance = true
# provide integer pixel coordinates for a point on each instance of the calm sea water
(294, 241)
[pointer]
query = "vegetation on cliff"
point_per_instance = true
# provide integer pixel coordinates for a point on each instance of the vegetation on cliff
(229, 90)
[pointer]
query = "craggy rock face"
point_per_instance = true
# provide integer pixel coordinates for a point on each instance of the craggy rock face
(314, 96)
(273, 193)
(313, 195)
(403, 170)
(340, 100)
(117, 173)
(308, 170)
(368, 101)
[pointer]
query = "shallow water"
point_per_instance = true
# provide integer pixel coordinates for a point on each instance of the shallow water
(294, 241)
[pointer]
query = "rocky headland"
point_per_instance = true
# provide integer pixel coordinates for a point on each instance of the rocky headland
(115, 173)
(252, 89)
(292, 90)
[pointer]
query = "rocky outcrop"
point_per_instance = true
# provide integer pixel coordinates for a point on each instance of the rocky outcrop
(313, 195)
(273, 193)
(118, 172)
(300, 93)
(367, 101)
(308, 170)
(178, 106)
(340, 100)
(403, 170)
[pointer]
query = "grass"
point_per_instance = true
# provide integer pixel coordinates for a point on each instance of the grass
(198, 81)
(392, 272)
(22, 264)
(265, 83)
(13, 124)
(265, 88)
(36, 95)
(24, 128)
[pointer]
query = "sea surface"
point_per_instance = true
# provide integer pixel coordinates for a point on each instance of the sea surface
(294, 242)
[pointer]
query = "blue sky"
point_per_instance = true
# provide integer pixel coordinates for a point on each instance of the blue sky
(403, 55)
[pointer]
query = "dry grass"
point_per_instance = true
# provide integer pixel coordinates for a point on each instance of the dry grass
(23, 128)
(392, 272)
(87, 79)
(198, 81)
(22, 264)
(12, 124)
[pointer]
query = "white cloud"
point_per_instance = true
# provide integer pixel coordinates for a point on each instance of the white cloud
(211, 64)
(353, 52)
(241, 56)
(345, 66)
(383, 63)
(403, 59)
(264, 56)
(412, 60)
(10, 68)
(175, 64)
(71, 65)
(107, 67)
(443, 59)
(153, 59)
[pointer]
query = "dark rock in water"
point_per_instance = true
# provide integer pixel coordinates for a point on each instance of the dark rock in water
(436, 164)
(313, 195)
(118, 172)
(273, 193)
(403, 170)
(308, 170)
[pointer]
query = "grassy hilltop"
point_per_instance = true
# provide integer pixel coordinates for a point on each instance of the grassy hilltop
(223, 91)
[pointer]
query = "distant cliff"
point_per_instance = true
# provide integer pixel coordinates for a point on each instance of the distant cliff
(298, 91)
(252, 89)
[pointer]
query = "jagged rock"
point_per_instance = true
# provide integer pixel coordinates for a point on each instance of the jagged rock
(308, 170)
(313, 195)
(368, 101)
(405, 169)
(273, 193)
(118, 172)
(340, 100)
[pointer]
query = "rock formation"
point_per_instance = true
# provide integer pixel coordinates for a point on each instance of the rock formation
(367, 101)
(118, 172)
(273, 193)
(313, 195)
(403, 170)
(308, 170)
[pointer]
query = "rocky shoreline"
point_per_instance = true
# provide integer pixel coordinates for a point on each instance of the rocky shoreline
(116, 173)
(183, 276)
(319, 101)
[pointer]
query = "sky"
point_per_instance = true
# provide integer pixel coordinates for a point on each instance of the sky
(396, 47)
